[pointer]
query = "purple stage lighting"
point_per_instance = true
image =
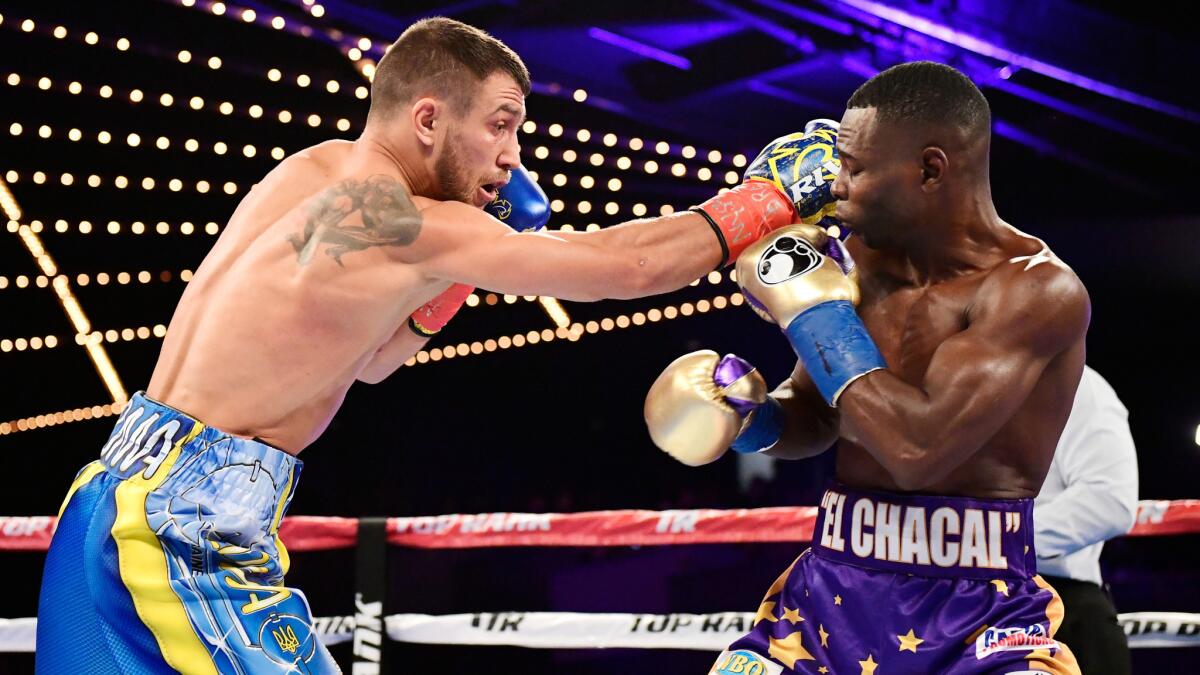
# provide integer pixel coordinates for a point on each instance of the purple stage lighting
(985, 48)
(640, 48)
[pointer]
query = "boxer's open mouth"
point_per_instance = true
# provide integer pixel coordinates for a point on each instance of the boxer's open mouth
(488, 192)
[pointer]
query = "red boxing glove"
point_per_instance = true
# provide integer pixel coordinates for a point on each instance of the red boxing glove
(433, 315)
(745, 214)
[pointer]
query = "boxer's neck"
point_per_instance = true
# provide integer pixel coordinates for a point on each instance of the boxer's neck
(408, 162)
(958, 237)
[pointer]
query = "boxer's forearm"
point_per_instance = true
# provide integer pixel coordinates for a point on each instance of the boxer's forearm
(810, 426)
(916, 438)
(671, 252)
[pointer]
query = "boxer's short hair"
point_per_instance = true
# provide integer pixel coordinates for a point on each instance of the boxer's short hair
(443, 58)
(928, 93)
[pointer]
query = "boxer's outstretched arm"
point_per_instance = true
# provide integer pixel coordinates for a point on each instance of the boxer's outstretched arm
(1026, 316)
(634, 259)
(810, 425)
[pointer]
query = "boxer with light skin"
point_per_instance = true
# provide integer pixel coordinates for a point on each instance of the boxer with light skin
(336, 268)
(941, 357)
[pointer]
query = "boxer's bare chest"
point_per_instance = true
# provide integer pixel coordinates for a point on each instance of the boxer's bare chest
(909, 322)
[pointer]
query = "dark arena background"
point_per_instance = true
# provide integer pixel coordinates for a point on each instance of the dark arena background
(130, 130)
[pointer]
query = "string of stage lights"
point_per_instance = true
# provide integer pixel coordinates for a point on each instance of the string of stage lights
(66, 298)
(142, 277)
(573, 333)
(249, 151)
(148, 183)
(302, 80)
(134, 140)
(115, 227)
(121, 182)
(167, 100)
(567, 155)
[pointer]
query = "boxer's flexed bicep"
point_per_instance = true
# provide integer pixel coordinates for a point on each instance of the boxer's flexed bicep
(1029, 312)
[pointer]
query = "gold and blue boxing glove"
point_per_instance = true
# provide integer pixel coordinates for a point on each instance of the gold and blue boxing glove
(702, 404)
(802, 279)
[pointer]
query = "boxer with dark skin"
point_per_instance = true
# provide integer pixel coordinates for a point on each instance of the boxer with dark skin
(943, 361)
(981, 325)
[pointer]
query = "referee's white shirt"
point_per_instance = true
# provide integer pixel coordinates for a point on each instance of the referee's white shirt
(1090, 494)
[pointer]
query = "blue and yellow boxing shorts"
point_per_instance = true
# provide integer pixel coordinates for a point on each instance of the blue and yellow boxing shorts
(167, 558)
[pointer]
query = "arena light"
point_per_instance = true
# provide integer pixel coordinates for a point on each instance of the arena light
(34, 343)
(639, 48)
(61, 226)
(66, 298)
(62, 417)
(555, 309)
(609, 139)
(147, 183)
(575, 331)
(138, 96)
(982, 47)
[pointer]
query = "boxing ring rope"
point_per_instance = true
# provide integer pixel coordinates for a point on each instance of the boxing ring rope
(573, 630)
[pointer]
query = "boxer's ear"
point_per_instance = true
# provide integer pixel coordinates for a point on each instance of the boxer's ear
(425, 113)
(934, 164)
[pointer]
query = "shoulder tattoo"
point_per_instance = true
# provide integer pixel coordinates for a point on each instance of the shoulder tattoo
(355, 215)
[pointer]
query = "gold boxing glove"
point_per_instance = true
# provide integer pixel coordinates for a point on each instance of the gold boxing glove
(700, 404)
(802, 279)
(789, 271)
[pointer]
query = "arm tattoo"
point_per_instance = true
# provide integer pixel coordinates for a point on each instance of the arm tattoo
(388, 215)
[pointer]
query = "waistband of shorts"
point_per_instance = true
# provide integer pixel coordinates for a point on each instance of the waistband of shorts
(148, 432)
(926, 535)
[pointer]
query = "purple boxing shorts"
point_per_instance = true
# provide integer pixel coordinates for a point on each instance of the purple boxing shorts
(898, 583)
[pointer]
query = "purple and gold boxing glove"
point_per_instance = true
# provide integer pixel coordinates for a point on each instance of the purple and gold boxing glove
(702, 404)
(802, 279)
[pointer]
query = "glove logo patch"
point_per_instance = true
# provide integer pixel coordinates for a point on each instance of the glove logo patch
(786, 258)
(500, 207)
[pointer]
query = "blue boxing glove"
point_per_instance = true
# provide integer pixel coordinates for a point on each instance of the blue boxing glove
(803, 166)
(520, 204)
(822, 124)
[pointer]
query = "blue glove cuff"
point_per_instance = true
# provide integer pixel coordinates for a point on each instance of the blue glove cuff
(834, 347)
(764, 429)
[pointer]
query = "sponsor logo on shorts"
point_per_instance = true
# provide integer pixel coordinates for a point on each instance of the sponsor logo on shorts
(1029, 638)
(136, 441)
(744, 662)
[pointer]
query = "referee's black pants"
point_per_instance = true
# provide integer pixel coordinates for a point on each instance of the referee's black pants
(1090, 628)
